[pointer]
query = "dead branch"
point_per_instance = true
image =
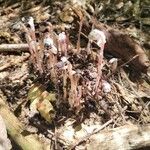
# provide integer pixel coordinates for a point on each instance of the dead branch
(89, 135)
(14, 47)
(125, 137)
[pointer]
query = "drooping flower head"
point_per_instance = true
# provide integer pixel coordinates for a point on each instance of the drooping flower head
(49, 43)
(99, 37)
(62, 41)
(31, 23)
(62, 37)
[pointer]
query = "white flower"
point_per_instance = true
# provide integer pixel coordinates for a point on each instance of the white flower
(64, 59)
(62, 37)
(113, 60)
(48, 42)
(113, 64)
(62, 63)
(106, 86)
(98, 36)
(31, 23)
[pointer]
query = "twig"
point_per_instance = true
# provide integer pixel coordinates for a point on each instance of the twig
(124, 64)
(85, 138)
(121, 111)
(131, 59)
(79, 36)
(133, 89)
(14, 47)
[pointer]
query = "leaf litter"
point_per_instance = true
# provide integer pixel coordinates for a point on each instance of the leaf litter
(87, 95)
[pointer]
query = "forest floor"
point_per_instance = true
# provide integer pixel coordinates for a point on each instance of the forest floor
(128, 102)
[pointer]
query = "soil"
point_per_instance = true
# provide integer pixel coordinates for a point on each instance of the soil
(127, 103)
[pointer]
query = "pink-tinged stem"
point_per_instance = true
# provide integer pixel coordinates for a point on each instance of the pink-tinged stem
(99, 67)
(64, 84)
(79, 36)
(74, 78)
(77, 102)
(52, 61)
(63, 43)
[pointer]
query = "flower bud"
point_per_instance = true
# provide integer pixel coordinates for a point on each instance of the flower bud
(98, 36)
(106, 86)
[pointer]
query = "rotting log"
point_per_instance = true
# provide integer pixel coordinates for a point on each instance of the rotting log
(123, 46)
(16, 129)
(122, 138)
(118, 43)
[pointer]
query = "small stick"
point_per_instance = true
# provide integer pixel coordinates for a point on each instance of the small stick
(85, 138)
(14, 47)
(79, 36)
(24, 47)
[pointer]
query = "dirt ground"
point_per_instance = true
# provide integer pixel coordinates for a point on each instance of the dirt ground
(128, 102)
